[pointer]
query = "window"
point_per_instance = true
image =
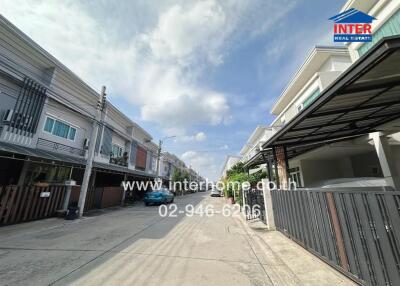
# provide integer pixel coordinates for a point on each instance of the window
(59, 129)
(116, 151)
(295, 176)
(48, 126)
(72, 132)
(311, 98)
(389, 28)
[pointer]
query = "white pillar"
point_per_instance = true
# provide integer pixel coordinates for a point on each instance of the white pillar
(386, 159)
(269, 214)
(69, 184)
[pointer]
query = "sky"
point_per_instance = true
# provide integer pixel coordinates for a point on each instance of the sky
(207, 72)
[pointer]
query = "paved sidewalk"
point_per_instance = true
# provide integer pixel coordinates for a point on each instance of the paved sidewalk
(287, 263)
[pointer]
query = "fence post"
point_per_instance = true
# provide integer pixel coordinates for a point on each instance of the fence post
(123, 190)
(269, 214)
(244, 203)
(69, 184)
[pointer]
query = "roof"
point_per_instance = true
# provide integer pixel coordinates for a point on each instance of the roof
(36, 154)
(317, 56)
(120, 169)
(42, 154)
(362, 5)
(363, 98)
(352, 16)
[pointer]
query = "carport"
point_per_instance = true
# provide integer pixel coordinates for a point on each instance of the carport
(363, 101)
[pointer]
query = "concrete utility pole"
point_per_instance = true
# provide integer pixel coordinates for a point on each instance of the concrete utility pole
(158, 158)
(92, 144)
(159, 154)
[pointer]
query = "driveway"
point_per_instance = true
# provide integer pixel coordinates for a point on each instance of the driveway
(137, 246)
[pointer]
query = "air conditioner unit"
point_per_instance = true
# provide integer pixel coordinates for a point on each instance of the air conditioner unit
(8, 115)
(86, 143)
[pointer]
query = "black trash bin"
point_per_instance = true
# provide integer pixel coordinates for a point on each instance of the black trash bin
(72, 212)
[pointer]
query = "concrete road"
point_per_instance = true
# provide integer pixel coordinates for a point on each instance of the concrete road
(136, 246)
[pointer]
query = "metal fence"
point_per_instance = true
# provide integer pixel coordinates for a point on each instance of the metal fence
(254, 204)
(26, 203)
(355, 230)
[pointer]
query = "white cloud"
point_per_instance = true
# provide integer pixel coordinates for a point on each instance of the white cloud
(224, 147)
(184, 32)
(200, 136)
(204, 163)
(157, 67)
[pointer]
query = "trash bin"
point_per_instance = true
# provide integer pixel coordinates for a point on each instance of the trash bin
(72, 212)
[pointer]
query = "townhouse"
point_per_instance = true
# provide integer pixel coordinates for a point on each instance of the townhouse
(230, 161)
(250, 150)
(304, 149)
(47, 116)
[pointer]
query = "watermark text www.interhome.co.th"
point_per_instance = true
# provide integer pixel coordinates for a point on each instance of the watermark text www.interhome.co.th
(203, 185)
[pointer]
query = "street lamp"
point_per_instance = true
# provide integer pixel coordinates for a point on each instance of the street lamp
(159, 154)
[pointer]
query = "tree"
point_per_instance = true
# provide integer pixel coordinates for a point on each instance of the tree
(236, 169)
(177, 175)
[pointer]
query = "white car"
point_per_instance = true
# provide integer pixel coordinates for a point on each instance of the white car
(215, 192)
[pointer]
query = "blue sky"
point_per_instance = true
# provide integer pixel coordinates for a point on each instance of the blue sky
(206, 71)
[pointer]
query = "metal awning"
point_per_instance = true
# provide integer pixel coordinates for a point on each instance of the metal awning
(119, 169)
(259, 158)
(35, 153)
(38, 155)
(363, 98)
(267, 154)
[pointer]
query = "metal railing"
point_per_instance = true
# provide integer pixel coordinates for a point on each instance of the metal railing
(121, 161)
(58, 147)
(356, 230)
(254, 204)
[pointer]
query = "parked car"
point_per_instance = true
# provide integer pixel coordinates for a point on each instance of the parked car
(352, 182)
(158, 197)
(215, 192)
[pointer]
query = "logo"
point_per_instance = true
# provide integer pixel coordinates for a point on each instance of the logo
(352, 26)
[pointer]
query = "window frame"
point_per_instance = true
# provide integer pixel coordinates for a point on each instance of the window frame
(55, 119)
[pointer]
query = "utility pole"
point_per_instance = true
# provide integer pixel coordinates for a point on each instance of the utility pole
(159, 154)
(158, 158)
(92, 144)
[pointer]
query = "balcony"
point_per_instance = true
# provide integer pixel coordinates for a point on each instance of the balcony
(120, 161)
(58, 147)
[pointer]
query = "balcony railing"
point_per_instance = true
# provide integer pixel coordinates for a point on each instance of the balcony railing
(121, 161)
(58, 147)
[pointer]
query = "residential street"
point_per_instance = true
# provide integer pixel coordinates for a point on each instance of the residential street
(135, 246)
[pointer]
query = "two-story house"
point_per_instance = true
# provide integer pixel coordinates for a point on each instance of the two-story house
(338, 112)
(46, 120)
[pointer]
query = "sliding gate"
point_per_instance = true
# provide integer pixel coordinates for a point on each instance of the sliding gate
(356, 230)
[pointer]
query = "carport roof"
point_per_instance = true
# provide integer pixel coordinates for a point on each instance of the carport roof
(363, 98)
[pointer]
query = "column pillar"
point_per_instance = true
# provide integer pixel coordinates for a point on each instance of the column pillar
(124, 190)
(386, 160)
(269, 213)
(282, 166)
(69, 184)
